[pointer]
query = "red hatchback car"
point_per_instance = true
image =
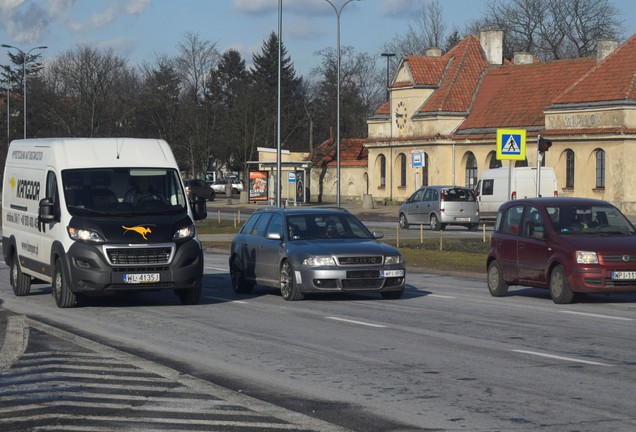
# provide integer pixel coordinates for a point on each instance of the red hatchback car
(568, 245)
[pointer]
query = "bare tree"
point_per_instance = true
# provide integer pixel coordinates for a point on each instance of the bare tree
(553, 29)
(94, 93)
(427, 31)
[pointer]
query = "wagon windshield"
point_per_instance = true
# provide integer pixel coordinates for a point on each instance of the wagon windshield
(593, 220)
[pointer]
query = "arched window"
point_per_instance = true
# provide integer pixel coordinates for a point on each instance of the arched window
(493, 162)
(402, 159)
(600, 168)
(569, 168)
(382, 170)
(522, 163)
(471, 170)
(425, 170)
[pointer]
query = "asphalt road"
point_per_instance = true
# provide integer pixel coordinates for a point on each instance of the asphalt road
(447, 356)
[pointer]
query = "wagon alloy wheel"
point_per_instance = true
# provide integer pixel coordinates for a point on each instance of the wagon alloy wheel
(496, 284)
(239, 285)
(404, 223)
(435, 225)
(64, 298)
(20, 282)
(288, 288)
(559, 288)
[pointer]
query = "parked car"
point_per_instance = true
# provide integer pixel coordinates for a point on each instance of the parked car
(219, 185)
(439, 206)
(305, 251)
(568, 245)
(200, 188)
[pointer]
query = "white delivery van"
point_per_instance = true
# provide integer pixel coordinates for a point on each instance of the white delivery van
(75, 215)
(492, 188)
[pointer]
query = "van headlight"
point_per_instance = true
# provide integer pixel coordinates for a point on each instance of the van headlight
(586, 257)
(319, 261)
(392, 259)
(186, 232)
(85, 235)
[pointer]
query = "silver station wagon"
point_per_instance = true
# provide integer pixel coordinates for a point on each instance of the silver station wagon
(313, 250)
(439, 206)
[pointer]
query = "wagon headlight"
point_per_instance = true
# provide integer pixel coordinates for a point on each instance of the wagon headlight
(586, 257)
(319, 261)
(186, 232)
(85, 235)
(392, 259)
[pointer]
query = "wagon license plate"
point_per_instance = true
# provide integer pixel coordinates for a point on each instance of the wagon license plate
(623, 275)
(141, 278)
(392, 273)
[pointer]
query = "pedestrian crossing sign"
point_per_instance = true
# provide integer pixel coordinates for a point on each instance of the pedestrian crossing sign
(511, 144)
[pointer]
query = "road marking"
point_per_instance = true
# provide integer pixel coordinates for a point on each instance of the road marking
(356, 322)
(216, 268)
(556, 357)
(598, 315)
(225, 299)
(440, 296)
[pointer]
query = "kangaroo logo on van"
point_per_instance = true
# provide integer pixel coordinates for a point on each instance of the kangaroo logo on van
(141, 230)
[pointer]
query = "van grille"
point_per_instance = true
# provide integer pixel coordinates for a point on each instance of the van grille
(139, 255)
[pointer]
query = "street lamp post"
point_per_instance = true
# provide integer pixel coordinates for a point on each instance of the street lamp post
(338, 11)
(388, 57)
(24, 79)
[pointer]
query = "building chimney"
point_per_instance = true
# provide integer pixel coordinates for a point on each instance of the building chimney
(492, 43)
(605, 47)
(433, 52)
(523, 58)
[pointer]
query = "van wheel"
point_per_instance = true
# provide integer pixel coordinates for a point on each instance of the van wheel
(288, 288)
(560, 290)
(404, 222)
(189, 296)
(496, 283)
(63, 296)
(434, 222)
(20, 282)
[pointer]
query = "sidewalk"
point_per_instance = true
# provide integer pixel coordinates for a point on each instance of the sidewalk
(387, 213)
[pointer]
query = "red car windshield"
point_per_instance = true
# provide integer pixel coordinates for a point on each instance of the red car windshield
(571, 219)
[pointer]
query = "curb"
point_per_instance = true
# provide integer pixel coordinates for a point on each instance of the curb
(15, 338)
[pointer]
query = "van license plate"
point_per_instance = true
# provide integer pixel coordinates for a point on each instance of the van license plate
(623, 275)
(140, 278)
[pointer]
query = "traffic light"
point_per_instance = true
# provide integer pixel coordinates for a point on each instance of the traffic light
(544, 144)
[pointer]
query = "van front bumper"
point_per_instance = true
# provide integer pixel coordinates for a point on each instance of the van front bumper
(88, 269)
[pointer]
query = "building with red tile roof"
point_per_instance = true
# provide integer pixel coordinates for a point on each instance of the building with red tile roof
(449, 107)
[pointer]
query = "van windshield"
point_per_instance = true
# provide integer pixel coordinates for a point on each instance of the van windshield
(120, 191)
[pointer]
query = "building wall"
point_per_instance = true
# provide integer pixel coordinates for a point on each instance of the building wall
(353, 183)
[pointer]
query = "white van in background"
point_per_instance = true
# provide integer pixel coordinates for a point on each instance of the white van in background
(98, 215)
(492, 188)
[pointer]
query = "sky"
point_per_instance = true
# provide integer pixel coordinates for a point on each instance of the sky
(142, 30)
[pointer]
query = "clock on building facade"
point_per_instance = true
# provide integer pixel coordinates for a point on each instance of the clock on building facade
(400, 115)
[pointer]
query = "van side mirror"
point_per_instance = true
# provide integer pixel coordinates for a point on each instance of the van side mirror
(46, 213)
(199, 209)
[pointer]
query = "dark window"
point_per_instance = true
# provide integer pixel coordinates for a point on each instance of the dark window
(458, 194)
(494, 162)
(488, 187)
(276, 225)
(261, 225)
(402, 158)
(471, 171)
(512, 220)
(382, 170)
(569, 168)
(600, 168)
(425, 171)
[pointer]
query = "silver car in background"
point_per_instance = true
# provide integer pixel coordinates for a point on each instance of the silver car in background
(313, 250)
(439, 206)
